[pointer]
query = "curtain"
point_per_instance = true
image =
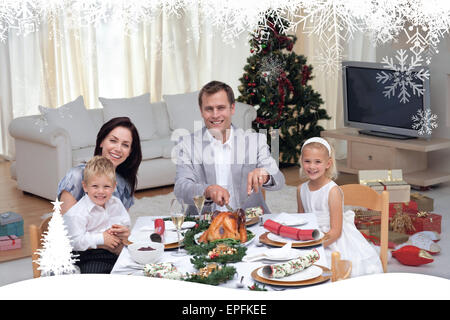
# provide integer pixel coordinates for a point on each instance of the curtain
(328, 81)
(57, 63)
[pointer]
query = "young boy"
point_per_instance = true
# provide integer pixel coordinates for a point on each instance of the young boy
(98, 223)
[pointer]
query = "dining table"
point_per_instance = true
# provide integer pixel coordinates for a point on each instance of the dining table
(243, 279)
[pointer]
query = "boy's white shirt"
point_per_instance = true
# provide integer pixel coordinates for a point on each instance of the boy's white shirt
(86, 221)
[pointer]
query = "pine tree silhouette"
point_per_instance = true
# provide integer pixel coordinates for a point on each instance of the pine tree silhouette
(55, 257)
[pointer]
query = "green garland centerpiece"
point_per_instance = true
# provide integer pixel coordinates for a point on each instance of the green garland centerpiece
(222, 254)
(212, 274)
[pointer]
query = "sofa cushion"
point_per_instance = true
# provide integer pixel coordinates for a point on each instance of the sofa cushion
(82, 155)
(156, 148)
(183, 111)
(162, 117)
(138, 109)
(75, 119)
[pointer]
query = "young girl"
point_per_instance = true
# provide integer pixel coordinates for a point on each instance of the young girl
(321, 195)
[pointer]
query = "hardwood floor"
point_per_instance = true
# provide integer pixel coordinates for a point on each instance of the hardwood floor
(32, 207)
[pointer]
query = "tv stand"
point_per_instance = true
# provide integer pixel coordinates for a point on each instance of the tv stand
(371, 153)
(385, 134)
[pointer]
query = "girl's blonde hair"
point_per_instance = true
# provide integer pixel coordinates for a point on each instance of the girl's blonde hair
(99, 165)
(331, 172)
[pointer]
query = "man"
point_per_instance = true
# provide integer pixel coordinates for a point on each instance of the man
(225, 164)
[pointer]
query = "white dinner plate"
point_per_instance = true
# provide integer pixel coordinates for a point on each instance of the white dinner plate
(290, 219)
(169, 226)
(169, 236)
(289, 254)
(306, 274)
(278, 238)
(198, 235)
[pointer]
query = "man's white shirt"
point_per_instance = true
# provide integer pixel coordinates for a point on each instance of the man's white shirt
(223, 157)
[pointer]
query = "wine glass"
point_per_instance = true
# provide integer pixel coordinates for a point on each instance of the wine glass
(199, 202)
(177, 213)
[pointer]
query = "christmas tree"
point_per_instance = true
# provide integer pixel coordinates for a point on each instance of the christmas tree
(56, 256)
(276, 83)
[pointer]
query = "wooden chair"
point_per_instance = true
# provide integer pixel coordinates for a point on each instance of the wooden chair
(363, 196)
(340, 269)
(36, 243)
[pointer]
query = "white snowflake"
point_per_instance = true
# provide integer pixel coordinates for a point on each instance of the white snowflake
(271, 67)
(424, 122)
(329, 59)
(422, 42)
(404, 76)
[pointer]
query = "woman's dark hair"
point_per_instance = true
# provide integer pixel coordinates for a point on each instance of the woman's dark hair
(127, 169)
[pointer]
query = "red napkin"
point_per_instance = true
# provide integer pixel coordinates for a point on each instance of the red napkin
(159, 226)
(291, 232)
(158, 235)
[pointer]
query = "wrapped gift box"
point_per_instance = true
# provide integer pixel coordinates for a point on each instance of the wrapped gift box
(367, 221)
(424, 203)
(10, 242)
(394, 237)
(11, 223)
(410, 207)
(389, 180)
(424, 221)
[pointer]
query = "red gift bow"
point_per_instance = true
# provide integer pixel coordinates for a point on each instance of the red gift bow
(289, 232)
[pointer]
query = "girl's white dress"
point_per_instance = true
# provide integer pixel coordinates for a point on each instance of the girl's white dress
(351, 244)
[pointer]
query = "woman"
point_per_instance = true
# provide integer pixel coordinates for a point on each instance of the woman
(118, 140)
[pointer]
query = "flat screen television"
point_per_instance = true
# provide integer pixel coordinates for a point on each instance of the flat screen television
(366, 106)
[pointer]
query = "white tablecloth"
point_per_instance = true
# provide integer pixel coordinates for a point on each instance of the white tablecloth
(125, 265)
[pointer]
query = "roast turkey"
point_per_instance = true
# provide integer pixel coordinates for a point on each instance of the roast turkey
(226, 225)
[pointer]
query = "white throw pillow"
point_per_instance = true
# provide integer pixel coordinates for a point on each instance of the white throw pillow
(138, 109)
(183, 111)
(75, 119)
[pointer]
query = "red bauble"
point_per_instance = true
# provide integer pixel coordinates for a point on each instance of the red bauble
(412, 256)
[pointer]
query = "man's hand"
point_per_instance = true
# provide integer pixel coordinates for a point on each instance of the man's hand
(217, 194)
(256, 179)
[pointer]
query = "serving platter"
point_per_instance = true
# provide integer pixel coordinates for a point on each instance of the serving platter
(324, 276)
(264, 238)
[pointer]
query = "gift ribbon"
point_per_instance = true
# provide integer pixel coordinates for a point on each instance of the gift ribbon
(422, 214)
(12, 239)
(417, 196)
(388, 179)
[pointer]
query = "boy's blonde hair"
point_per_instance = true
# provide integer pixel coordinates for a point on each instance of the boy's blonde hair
(331, 172)
(99, 165)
